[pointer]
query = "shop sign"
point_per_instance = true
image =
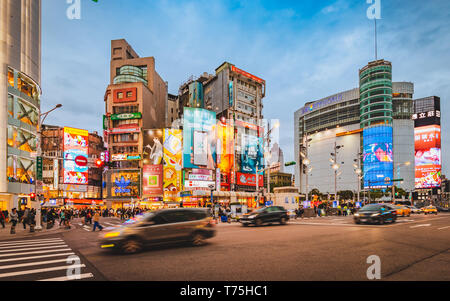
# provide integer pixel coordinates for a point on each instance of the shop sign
(152, 180)
(249, 179)
(119, 157)
(198, 184)
(126, 116)
(124, 130)
(194, 177)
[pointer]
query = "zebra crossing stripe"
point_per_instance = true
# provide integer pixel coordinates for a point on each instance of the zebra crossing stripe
(29, 241)
(12, 274)
(42, 244)
(35, 252)
(21, 265)
(69, 278)
(61, 245)
(36, 257)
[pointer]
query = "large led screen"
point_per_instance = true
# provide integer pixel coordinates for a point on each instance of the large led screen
(76, 150)
(428, 156)
(199, 138)
(378, 157)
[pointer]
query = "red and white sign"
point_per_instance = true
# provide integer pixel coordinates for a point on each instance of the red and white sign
(81, 161)
(249, 179)
(248, 75)
(190, 185)
(124, 130)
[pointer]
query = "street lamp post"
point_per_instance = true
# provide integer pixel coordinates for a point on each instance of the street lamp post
(39, 153)
(335, 166)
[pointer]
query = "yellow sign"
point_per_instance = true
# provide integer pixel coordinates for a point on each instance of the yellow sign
(74, 131)
(173, 152)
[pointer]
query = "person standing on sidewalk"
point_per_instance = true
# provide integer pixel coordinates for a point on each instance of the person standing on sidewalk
(2, 219)
(13, 217)
(97, 222)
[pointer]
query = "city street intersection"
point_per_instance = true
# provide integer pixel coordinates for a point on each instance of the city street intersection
(318, 249)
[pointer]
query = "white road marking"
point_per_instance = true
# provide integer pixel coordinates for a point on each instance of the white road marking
(444, 228)
(36, 257)
(421, 225)
(28, 241)
(31, 245)
(61, 245)
(12, 274)
(70, 278)
(21, 265)
(35, 252)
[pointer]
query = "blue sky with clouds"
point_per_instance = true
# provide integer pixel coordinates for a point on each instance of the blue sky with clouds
(305, 50)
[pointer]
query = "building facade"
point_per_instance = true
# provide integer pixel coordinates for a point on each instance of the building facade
(329, 135)
(135, 100)
(56, 158)
(20, 76)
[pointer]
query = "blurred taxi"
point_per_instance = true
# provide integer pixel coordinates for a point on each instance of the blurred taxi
(430, 210)
(403, 210)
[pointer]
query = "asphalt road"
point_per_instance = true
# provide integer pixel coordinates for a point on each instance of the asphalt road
(319, 249)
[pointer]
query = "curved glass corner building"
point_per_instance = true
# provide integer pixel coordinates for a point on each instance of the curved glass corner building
(20, 76)
(375, 88)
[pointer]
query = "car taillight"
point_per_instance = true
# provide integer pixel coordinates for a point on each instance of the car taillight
(211, 223)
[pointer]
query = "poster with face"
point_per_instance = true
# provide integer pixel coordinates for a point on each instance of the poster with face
(153, 153)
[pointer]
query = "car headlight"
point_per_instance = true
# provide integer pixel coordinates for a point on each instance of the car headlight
(112, 234)
(251, 216)
(376, 214)
(356, 214)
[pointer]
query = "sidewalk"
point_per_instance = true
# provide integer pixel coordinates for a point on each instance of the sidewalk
(20, 232)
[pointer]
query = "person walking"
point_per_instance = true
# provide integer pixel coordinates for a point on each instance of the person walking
(14, 218)
(97, 222)
(2, 219)
(25, 218)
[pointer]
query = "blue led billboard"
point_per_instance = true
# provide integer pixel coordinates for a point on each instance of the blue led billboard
(378, 156)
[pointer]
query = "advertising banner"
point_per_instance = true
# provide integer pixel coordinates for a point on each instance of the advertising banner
(126, 116)
(249, 179)
(75, 146)
(125, 184)
(252, 154)
(378, 157)
(225, 147)
(153, 147)
(428, 156)
(173, 152)
(152, 181)
(199, 139)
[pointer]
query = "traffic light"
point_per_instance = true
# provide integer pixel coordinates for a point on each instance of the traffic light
(33, 197)
(99, 163)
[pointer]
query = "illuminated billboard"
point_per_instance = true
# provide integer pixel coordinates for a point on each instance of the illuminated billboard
(172, 173)
(378, 157)
(428, 156)
(124, 184)
(252, 154)
(152, 182)
(153, 147)
(76, 154)
(225, 147)
(199, 138)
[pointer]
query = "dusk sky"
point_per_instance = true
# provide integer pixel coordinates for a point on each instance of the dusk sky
(305, 50)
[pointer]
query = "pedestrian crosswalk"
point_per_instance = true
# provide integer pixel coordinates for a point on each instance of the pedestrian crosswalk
(49, 259)
(111, 223)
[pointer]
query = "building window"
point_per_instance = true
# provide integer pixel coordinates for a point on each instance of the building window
(11, 78)
(119, 95)
(129, 94)
(11, 105)
(20, 170)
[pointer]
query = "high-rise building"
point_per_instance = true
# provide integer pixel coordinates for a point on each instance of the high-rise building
(20, 76)
(135, 100)
(365, 131)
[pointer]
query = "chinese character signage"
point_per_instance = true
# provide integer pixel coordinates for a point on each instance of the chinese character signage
(76, 149)
(428, 156)
(152, 180)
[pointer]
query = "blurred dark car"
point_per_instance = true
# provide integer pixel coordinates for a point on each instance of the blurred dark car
(376, 214)
(160, 227)
(442, 209)
(266, 215)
